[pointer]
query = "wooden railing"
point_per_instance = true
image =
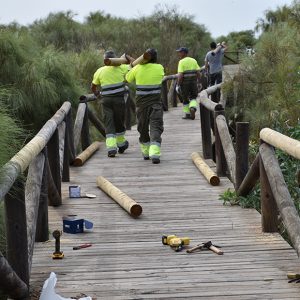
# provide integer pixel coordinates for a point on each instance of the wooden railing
(233, 162)
(46, 158)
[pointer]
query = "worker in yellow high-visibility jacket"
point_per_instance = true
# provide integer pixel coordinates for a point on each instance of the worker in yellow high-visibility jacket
(111, 79)
(188, 75)
(148, 78)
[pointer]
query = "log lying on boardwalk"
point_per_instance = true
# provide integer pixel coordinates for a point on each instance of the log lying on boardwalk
(121, 198)
(86, 154)
(210, 175)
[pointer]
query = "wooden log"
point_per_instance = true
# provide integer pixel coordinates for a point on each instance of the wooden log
(53, 194)
(144, 58)
(207, 172)
(227, 145)
(164, 95)
(66, 155)
(281, 141)
(242, 149)
(115, 61)
(42, 226)
(96, 122)
(174, 94)
(25, 156)
(87, 98)
(172, 91)
(213, 88)
(32, 196)
(69, 129)
(205, 101)
(250, 179)
(220, 157)
(86, 154)
(78, 124)
(61, 142)
(269, 211)
(133, 208)
(205, 131)
(54, 160)
(10, 282)
(16, 230)
(281, 194)
(85, 131)
(170, 77)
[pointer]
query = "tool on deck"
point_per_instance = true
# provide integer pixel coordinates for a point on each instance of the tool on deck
(294, 277)
(207, 245)
(57, 254)
(82, 246)
(175, 242)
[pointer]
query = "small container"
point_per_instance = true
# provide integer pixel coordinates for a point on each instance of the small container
(74, 191)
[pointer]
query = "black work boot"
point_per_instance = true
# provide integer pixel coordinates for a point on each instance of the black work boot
(111, 153)
(123, 148)
(186, 117)
(193, 113)
(155, 160)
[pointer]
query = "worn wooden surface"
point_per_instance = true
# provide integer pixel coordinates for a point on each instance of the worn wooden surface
(127, 259)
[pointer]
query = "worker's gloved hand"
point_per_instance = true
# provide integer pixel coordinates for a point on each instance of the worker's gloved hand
(178, 89)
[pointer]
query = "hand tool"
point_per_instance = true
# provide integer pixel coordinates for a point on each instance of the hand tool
(294, 277)
(176, 243)
(82, 246)
(207, 245)
(57, 254)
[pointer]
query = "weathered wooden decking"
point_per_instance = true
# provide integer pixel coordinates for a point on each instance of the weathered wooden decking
(127, 259)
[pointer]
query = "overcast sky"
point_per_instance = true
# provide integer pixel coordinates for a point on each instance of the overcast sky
(219, 16)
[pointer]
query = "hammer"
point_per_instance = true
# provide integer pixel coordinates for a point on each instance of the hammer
(207, 245)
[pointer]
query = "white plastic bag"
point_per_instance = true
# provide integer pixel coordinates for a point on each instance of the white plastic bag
(48, 291)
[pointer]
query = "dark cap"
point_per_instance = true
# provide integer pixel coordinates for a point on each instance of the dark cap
(109, 54)
(182, 49)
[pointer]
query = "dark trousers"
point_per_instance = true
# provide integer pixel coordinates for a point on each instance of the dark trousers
(150, 118)
(114, 113)
(215, 78)
(189, 90)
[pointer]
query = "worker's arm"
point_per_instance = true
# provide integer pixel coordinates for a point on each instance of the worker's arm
(94, 89)
(219, 47)
(224, 46)
(180, 78)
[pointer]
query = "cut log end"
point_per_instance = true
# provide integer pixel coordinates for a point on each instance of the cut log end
(136, 210)
(214, 180)
(77, 162)
(107, 61)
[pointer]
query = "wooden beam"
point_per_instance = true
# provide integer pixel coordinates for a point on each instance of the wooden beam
(227, 145)
(32, 196)
(206, 171)
(78, 124)
(250, 179)
(85, 131)
(281, 141)
(10, 282)
(86, 154)
(281, 194)
(242, 149)
(205, 101)
(96, 122)
(133, 208)
(70, 132)
(205, 132)
(171, 92)
(16, 230)
(42, 226)
(164, 95)
(66, 154)
(61, 142)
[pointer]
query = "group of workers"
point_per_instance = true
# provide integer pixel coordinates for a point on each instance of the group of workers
(148, 79)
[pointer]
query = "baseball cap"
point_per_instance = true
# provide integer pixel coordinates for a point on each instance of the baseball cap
(182, 49)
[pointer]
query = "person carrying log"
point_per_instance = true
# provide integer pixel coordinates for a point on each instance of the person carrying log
(111, 80)
(148, 78)
(188, 75)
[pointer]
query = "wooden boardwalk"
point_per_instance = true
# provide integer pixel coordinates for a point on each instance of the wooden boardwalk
(127, 259)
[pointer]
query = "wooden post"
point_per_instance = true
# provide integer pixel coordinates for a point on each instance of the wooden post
(42, 226)
(250, 179)
(220, 157)
(32, 196)
(10, 282)
(16, 230)
(269, 219)
(281, 194)
(242, 148)
(205, 132)
(66, 154)
(127, 111)
(96, 122)
(70, 132)
(85, 132)
(164, 95)
(171, 92)
(54, 160)
(78, 124)
(174, 94)
(227, 146)
(61, 136)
